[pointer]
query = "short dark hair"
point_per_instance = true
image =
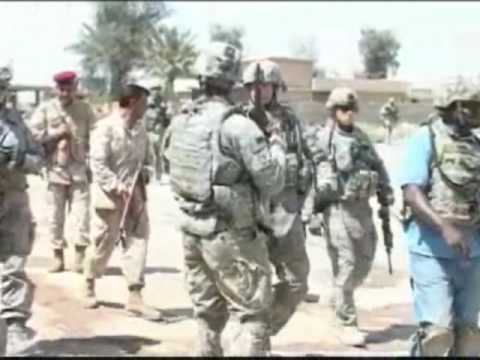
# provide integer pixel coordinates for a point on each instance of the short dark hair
(128, 92)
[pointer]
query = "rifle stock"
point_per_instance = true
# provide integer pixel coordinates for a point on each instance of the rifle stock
(131, 191)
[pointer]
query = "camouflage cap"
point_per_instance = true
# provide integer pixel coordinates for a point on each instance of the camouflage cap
(220, 61)
(270, 73)
(139, 79)
(342, 96)
(460, 90)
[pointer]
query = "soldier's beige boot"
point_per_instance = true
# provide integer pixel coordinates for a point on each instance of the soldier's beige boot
(89, 299)
(351, 336)
(20, 338)
(136, 307)
(58, 261)
(79, 258)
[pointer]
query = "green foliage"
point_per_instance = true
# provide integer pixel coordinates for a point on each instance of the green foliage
(379, 49)
(232, 35)
(115, 42)
(170, 53)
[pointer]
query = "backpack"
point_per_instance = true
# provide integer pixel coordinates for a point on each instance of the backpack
(193, 148)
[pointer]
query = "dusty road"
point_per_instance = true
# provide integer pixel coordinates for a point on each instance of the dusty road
(65, 328)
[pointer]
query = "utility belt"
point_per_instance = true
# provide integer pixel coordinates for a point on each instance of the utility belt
(231, 206)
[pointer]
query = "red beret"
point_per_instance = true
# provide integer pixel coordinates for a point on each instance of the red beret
(65, 77)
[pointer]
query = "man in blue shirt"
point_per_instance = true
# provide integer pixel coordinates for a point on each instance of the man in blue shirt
(440, 179)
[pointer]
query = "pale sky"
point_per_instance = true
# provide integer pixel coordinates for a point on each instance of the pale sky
(439, 39)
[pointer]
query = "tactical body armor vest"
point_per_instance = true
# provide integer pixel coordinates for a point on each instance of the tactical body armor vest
(350, 173)
(208, 182)
(453, 189)
(194, 152)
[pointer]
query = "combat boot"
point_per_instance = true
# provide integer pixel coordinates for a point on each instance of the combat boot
(350, 335)
(58, 261)
(20, 338)
(135, 306)
(79, 258)
(90, 301)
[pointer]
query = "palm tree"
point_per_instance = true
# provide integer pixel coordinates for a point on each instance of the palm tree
(115, 43)
(171, 53)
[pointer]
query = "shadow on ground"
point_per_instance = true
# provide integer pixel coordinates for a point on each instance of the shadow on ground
(116, 271)
(392, 332)
(92, 346)
(169, 315)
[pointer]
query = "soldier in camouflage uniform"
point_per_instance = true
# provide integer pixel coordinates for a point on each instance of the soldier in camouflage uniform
(18, 155)
(286, 234)
(440, 179)
(389, 117)
(349, 171)
(221, 165)
(120, 151)
(156, 123)
(63, 125)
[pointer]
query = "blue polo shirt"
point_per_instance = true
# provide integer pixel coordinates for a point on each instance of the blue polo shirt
(414, 169)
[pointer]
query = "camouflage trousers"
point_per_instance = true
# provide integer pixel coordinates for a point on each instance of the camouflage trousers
(351, 242)
(105, 233)
(155, 141)
(289, 257)
(16, 239)
(228, 277)
(74, 199)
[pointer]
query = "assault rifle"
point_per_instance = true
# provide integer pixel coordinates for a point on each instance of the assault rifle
(258, 112)
(384, 215)
(128, 203)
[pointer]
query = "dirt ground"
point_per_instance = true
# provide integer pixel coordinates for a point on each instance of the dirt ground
(65, 328)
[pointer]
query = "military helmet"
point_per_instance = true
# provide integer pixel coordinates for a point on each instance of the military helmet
(270, 73)
(342, 96)
(6, 72)
(220, 61)
(461, 90)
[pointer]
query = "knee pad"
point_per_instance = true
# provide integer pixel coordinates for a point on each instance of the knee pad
(467, 341)
(432, 340)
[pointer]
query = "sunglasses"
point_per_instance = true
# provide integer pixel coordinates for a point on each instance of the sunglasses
(346, 108)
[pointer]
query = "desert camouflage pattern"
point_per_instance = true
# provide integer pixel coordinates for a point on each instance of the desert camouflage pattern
(453, 190)
(80, 118)
(342, 96)
(219, 61)
(349, 229)
(226, 257)
(269, 70)
(116, 155)
(17, 227)
(285, 231)
(460, 90)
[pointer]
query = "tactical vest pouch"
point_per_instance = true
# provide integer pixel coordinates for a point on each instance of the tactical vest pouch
(362, 184)
(455, 176)
(305, 177)
(328, 190)
(204, 226)
(235, 204)
(292, 167)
